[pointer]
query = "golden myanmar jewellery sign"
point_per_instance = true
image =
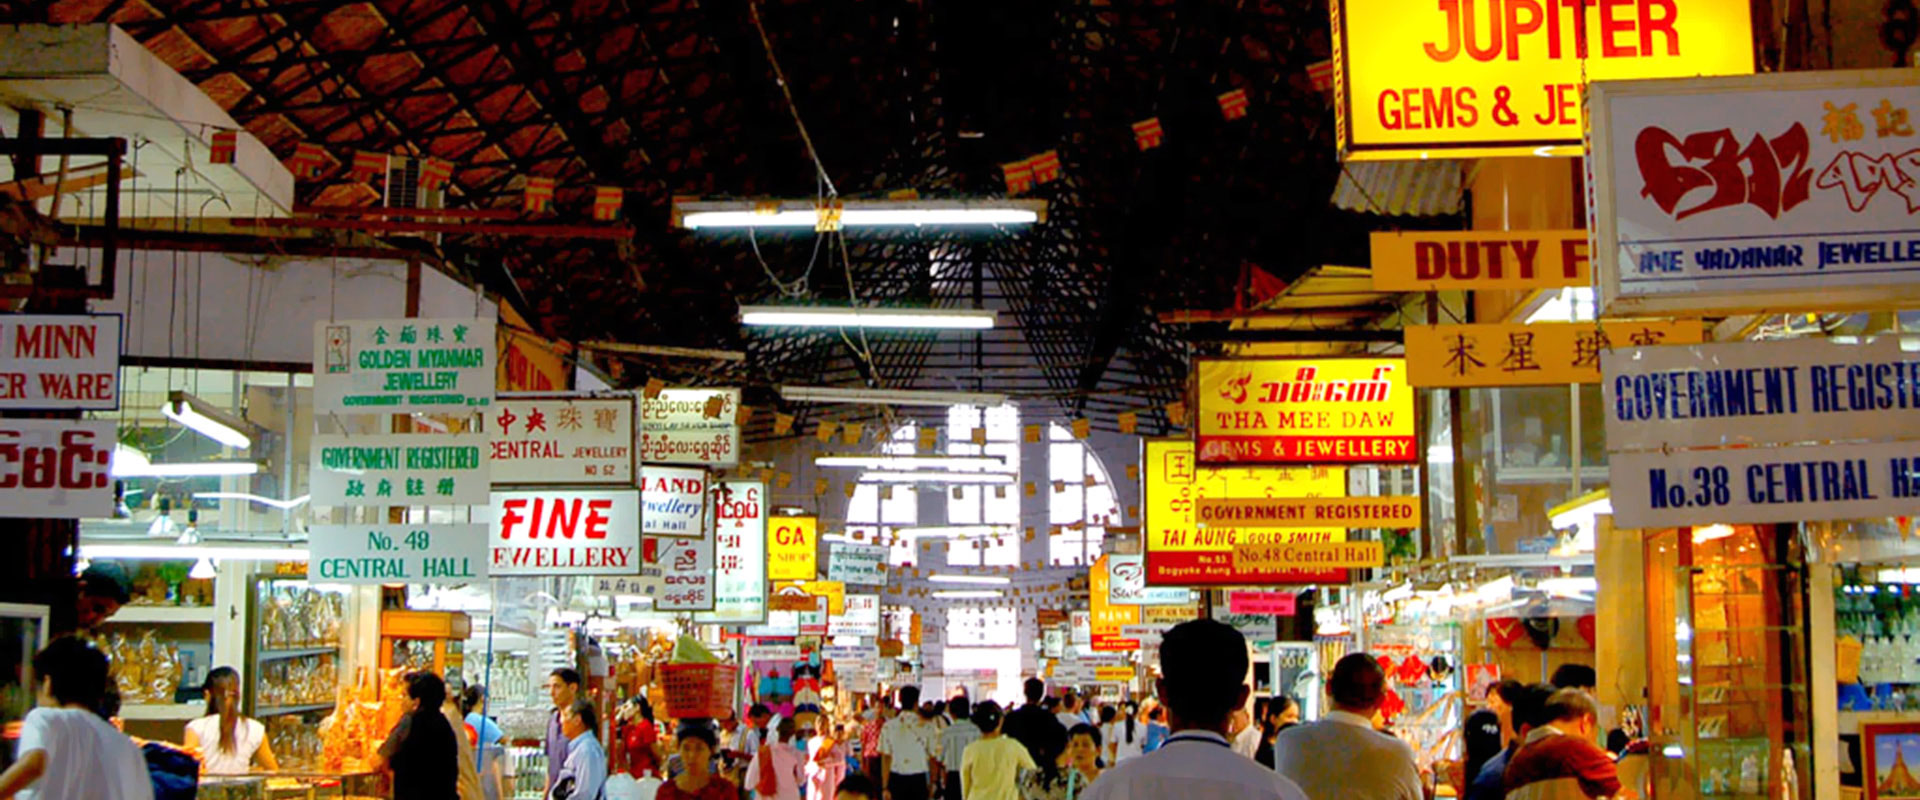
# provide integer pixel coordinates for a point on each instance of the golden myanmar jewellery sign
(1304, 411)
(1540, 354)
(1484, 78)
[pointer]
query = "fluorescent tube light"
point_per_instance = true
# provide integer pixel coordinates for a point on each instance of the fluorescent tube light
(983, 580)
(207, 419)
(1568, 586)
(1711, 532)
(888, 397)
(967, 594)
(206, 469)
(703, 214)
(900, 318)
(173, 553)
(283, 505)
(954, 531)
(911, 463)
(937, 477)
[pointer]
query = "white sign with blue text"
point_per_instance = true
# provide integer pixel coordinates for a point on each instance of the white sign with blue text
(673, 500)
(858, 564)
(374, 554)
(1753, 485)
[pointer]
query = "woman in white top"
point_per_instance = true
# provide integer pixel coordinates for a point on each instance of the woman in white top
(228, 743)
(1125, 735)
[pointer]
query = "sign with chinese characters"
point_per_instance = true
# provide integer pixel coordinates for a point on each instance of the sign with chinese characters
(1312, 512)
(60, 361)
(1181, 553)
(740, 554)
(566, 533)
(403, 366)
(1490, 78)
(557, 439)
(1430, 261)
(1764, 484)
(1127, 584)
(373, 554)
(1304, 411)
(1774, 392)
(56, 468)
(675, 500)
(691, 426)
(1539, 354)
(400, 469)
(1082, 627)
(635, 585)
(1109, 617)
(791, 549)
(1309, 555)
(1781, 191)
(862, 617)
(858, 564)
(1282, 604)
(686, 574)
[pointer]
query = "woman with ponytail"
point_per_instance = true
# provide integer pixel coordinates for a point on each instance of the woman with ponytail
(227, 742)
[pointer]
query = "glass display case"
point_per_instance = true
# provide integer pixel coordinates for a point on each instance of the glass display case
(292, 786)
(294, 654)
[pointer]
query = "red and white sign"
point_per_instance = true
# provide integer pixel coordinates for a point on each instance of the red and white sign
(566, 533)
(56, 468)
(740, 554)
(686, 574)
(60, 361)
(1280, 604)
(691, 426)
(675, 500)
(558, 439)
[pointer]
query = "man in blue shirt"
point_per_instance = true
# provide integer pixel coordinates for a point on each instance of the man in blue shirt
(584, 775)
(563, 687)
(1527, 702)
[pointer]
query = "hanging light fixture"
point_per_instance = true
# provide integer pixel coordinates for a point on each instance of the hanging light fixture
(913, 463)
(209, 420)
(202, 570)
(710, 214)
(888, 397)
(1001, 478)
(131, 463)
(849, 317)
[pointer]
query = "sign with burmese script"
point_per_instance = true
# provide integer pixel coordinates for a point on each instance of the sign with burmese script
(558, 532)
(1536, 354)
(400, 469)
(1427, 261)
(439, 553)
(691, 426)
(1764, 484)
(1488, 78)
(675, 500)
(1742, 393)
(403, 366)
(1180, 552)
(1313, 512)
(686, 574)
(1304, 411)
(740, 554)
(560, 439)
(63, 361)
(56, 468)
(858, 564)
(1785, 191)
(1309, 555)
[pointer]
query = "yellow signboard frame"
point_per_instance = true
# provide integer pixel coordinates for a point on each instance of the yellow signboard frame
(1305, 512)
(1180, 553)
(793, 548)
(1302, 411)
(1429, 261)
(1540, 354)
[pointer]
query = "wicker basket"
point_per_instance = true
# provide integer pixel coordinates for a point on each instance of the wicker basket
(698, 690)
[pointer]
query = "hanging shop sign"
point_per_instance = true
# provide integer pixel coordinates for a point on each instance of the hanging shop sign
(1049, 617)
(1127, 584)
(56, 468)
(1784, 191)
(1309, 555)
(60, 361)
(1764, 484)
(559, 533)
(791, 597)
(858, 564)
(1493, 78)
(1430, 261)
(779, 624)
(675, 500)
(770, 651)
(635, 585)
(861, 618)
(374, 554)
(1147, 634)
(690, 426)
(403, 366)
(1112, 674)
(792, 548)
(561, 439)
(686, 573)
(834, 592)
(1108, 617)
(400, 469)
(1165, 616)
(1082, 628)
(740, 554)
(1538, 354)
(1776, 392)
(1312, 512)
(1280, 604)
(1182, 553)
(814, 622)
(1305, 411)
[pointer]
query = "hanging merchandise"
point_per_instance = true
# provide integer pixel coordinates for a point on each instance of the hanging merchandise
(537, 195)
(226, 145)
(367, 166)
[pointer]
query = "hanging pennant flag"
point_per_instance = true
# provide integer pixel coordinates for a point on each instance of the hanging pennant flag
(367, 166)
(851, 432)
(904, 194)
(824, 433)
(783, 480)
(886, 492)
(434, 173)
(537, 195)
(1046, 167)
(1321, 73)
(1147, 133)
(308, 160)
(606, 202)
(653, 388)
(742, 414)
(1129, 422)
(1177, 414)
(851, 487)
(1019, 175)
(1033, 434)
(716, 405)
(1133, 472)
(819, 487)
(1082, 428)
(929, 437)
(1233, 104)
(225, 144)
(979, 436)
(828, 215)
(782, 424)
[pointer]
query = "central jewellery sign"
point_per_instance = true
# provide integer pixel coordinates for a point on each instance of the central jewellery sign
(562, 439)
(1304, 411)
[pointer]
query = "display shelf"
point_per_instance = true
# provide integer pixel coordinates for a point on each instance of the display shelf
(162, 711)
(199, 615)
(297, 652)
(276, 711)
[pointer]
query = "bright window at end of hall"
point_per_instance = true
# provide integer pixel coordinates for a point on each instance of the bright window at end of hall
(982, 626)
(985, 504)
(877, 508)
(1088, 505)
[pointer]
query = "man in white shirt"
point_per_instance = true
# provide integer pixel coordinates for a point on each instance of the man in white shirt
(66, 750)
(1070, 714)
(1246, 735)
(1203, 664)
(907, 746)
(1342, 757)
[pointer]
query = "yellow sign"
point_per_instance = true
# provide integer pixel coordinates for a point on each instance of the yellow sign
(1425, 261)
(1109, 618)
(835, 593)
(1299, 512)
(1110, 674)
(1335, 555)
(1305, 411)
(791, 597)
(1181, 553)
(1486, 78)
(792, 548)
(1541, 354)
(1168, 615)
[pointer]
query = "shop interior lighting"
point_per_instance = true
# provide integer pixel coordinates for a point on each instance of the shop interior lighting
(1900, 575)
(981, 580)
(137, 552)
(1569, 587)
(1712, 532)
(914, 463)
(1396, 594)
(209, 420)
(202, 570)
(1495, 591)
(283, 505)
(888, 397)
(967, 594)
(944, 319)
(1572, 304)
(937, 477)
(1581, 511)
(721, 214)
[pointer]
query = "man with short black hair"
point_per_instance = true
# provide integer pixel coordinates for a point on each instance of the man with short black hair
(1342, 756)
(1527, 703)
(1034, 726)
(1203, 667)
(1575, 676)
(563, 687)
(1559, 756)
(65, 748)
(907, 745)
(953, 745)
